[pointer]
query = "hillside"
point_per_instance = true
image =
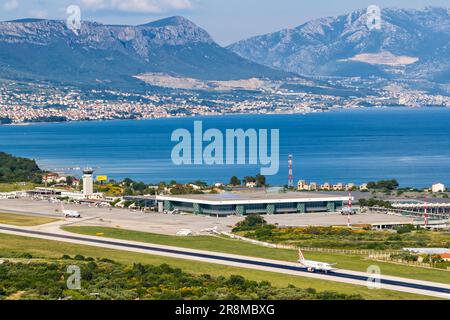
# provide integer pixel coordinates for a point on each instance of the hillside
(115, 281)
(412, 44)
(110, 56)
(14, 169)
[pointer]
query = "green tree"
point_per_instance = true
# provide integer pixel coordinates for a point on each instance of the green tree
(249, 179)
(69, 180)
(384, 185)
(235, 181)
(139, 186)
(200, 183)
(127, 182)
(252, 222)
(14, 169)
(260, 180)
(405, 229)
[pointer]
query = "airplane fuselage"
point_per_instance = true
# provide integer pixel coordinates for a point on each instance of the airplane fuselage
(315, 265)
(71, 214)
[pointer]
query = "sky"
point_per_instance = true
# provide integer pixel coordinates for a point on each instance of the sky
(227, 21)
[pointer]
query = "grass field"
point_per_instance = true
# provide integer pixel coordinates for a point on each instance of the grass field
(17, 186)
(357, 263)
(24, 220)
(16, 246)
(346, 238)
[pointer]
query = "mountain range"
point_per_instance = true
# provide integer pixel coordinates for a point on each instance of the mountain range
(410, 44)
(413, 44)
(34, 49)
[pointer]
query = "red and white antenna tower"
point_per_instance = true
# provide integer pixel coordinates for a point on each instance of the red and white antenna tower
(425, 216)
(291, 177)
(349, 208)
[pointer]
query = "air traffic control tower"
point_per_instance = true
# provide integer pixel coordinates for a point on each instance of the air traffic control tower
(88, 182)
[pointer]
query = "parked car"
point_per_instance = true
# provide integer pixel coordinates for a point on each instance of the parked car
(348, 211)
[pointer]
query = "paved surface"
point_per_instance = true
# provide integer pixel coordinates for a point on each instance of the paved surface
(333, 219)
(345, 276)
(123, 218)
(171, 224)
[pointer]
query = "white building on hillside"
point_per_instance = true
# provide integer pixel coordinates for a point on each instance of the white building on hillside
(437, 187)
(302, 185)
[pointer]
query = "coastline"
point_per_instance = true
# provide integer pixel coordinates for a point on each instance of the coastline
(174, 117)
(337, 109)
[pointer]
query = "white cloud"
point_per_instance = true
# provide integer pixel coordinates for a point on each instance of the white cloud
(40, 14)
(95, 4)
(11, 5)
(143, 6)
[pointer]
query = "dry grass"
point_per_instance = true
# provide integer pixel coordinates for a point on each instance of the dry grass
(24, 220)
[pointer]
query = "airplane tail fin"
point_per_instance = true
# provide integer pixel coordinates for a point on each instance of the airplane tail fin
(300, 255)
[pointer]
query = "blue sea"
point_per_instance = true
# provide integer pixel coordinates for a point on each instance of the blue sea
(410, 145)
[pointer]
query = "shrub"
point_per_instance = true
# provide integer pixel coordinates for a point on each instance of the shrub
(405, 229)
(43, 280)
(251, 222)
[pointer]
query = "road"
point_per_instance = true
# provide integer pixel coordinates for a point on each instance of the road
(346, 276)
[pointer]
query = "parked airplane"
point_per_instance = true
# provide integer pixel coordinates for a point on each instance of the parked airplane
(174, 211)
(70, 213)
(210, 230)
(314, 265)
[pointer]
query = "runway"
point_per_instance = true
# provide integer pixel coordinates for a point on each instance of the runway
(346, 276)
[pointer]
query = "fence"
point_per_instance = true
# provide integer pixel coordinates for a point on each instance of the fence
(356, 252)
(387, 258)
(372, 254)
(259, 243)
(308, 249)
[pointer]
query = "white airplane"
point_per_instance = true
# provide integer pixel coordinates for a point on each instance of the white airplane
(312, 266)
(70, 213)
(210, 230)
(174, 211)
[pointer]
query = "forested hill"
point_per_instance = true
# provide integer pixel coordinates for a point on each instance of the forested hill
(15, 169)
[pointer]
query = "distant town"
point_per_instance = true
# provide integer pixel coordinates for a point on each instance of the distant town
(25, 103)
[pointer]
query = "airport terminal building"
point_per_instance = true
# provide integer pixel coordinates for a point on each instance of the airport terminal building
(245, 203)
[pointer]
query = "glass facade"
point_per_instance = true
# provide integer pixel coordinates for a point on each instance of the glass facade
(317, 207)
(218, 210)
(183, 206)
(278, 208)
(286, 207)
(255, 208)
